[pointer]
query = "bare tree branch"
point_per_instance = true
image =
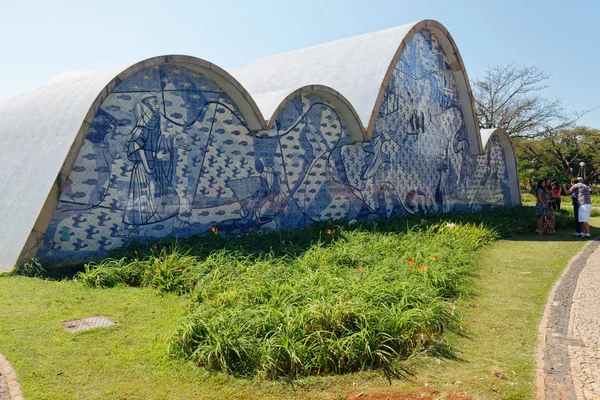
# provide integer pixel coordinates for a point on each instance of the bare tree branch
(508, 98)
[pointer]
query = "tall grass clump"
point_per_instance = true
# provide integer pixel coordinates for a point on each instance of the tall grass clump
(168, 271)
(32, 269)
(362, 302)
(330, 299)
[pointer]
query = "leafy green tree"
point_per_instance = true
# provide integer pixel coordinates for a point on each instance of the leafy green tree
(559, 154)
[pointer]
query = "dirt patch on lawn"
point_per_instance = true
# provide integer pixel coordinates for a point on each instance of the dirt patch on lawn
(423, 394)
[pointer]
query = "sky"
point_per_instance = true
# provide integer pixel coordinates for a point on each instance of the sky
(40, 39)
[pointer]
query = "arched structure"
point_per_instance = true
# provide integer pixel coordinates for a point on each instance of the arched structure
(498, 140)
(377, 125)
(272, 103)
(359, 67)
(42, 135)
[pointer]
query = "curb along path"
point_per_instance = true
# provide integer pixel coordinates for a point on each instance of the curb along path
(568, 359)
(9, 387)
(3, 390)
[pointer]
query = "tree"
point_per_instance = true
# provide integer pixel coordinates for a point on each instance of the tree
(546, 142)
(509, 97)
(560, 154)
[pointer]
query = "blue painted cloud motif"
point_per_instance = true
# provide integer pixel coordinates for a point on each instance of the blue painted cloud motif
(169, 154)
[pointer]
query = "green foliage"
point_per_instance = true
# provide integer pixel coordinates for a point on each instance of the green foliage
(360, 303)
(166, 271)
(33, 269)
(163, 264)
(558, 154)
(498, 324)
(327, 300)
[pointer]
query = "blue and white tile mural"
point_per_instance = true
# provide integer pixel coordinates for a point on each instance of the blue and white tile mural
(169, 154)
(418, 159)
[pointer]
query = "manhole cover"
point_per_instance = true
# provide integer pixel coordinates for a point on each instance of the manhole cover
(84, 324)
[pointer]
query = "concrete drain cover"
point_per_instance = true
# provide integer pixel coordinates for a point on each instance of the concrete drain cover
(84, 324)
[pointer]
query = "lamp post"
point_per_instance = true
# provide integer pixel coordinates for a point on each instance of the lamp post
(581, 170)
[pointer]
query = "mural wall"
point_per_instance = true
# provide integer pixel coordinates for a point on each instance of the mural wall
(169, 154)
(418, 159)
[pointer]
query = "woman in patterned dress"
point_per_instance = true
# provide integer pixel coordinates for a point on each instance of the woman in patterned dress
(541, 206)
(549, 223)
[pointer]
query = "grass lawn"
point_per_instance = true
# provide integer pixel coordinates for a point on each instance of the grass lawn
(494, 348)
(528, 199)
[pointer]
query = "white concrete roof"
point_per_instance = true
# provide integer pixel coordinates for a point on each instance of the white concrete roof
(355, 67)
(37, 131)
(486, 135)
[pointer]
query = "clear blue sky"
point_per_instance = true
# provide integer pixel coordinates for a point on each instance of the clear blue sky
(40, 39)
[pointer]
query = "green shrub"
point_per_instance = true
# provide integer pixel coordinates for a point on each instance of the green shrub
(361, 302)
(33, 269)
(326, 300)
(167, 271)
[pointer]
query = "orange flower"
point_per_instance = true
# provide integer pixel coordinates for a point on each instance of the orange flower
(358, 269)
(410, 262)
(215, 230)
(329, 231)
(421, 268)
(436, 258)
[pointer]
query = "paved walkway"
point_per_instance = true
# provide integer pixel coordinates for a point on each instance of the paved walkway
(9, 387)
(3, 390)
(569, 354)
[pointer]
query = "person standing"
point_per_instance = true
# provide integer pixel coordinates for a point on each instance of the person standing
(556, 193)
(549, 194)
(585, 206)
(541, 206)
(549, 223)
(578, 231)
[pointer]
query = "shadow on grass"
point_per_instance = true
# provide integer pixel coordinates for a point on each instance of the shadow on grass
(39, 269)
(445, 351)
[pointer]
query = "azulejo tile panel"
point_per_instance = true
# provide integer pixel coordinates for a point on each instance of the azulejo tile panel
(418, 159)
(170, 154)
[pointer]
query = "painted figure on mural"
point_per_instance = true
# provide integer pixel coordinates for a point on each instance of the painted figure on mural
(111, 145)
(274, 201)
(260, 199)
(152, 197)
(454, 164)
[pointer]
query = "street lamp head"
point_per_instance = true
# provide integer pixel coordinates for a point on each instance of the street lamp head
(581, 164)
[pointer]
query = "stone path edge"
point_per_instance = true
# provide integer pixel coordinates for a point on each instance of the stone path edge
(10, 379)
(540, 374)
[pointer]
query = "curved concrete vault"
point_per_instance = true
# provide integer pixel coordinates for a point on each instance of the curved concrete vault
(377, 125)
